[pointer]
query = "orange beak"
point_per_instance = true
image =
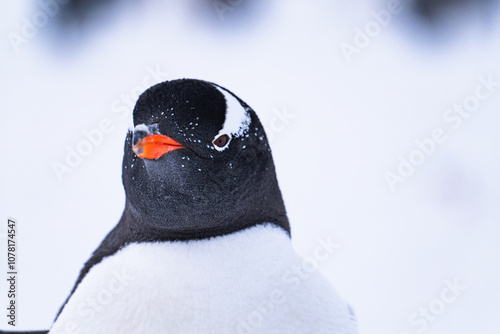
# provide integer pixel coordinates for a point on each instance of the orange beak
(154, 146)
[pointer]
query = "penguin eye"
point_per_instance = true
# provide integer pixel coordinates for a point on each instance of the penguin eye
(221, 141)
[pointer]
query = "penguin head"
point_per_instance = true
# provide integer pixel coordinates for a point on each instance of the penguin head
(197, 165)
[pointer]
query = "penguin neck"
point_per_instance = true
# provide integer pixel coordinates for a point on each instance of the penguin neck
(141, 228)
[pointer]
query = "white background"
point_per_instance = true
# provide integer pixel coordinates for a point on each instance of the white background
(352, 120)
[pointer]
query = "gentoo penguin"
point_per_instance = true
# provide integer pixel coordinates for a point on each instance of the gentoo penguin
(203, 245)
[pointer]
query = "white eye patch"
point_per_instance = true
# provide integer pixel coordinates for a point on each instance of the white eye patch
(237, 119)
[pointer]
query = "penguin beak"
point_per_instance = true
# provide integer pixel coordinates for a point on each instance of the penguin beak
(154, 146)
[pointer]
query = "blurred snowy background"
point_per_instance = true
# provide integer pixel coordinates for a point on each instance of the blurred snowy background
(384, 118)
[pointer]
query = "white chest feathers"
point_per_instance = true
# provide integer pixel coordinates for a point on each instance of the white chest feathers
(236, 284)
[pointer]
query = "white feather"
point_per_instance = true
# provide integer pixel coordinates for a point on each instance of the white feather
(239, 283)
(237, 119)
(141, 127)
